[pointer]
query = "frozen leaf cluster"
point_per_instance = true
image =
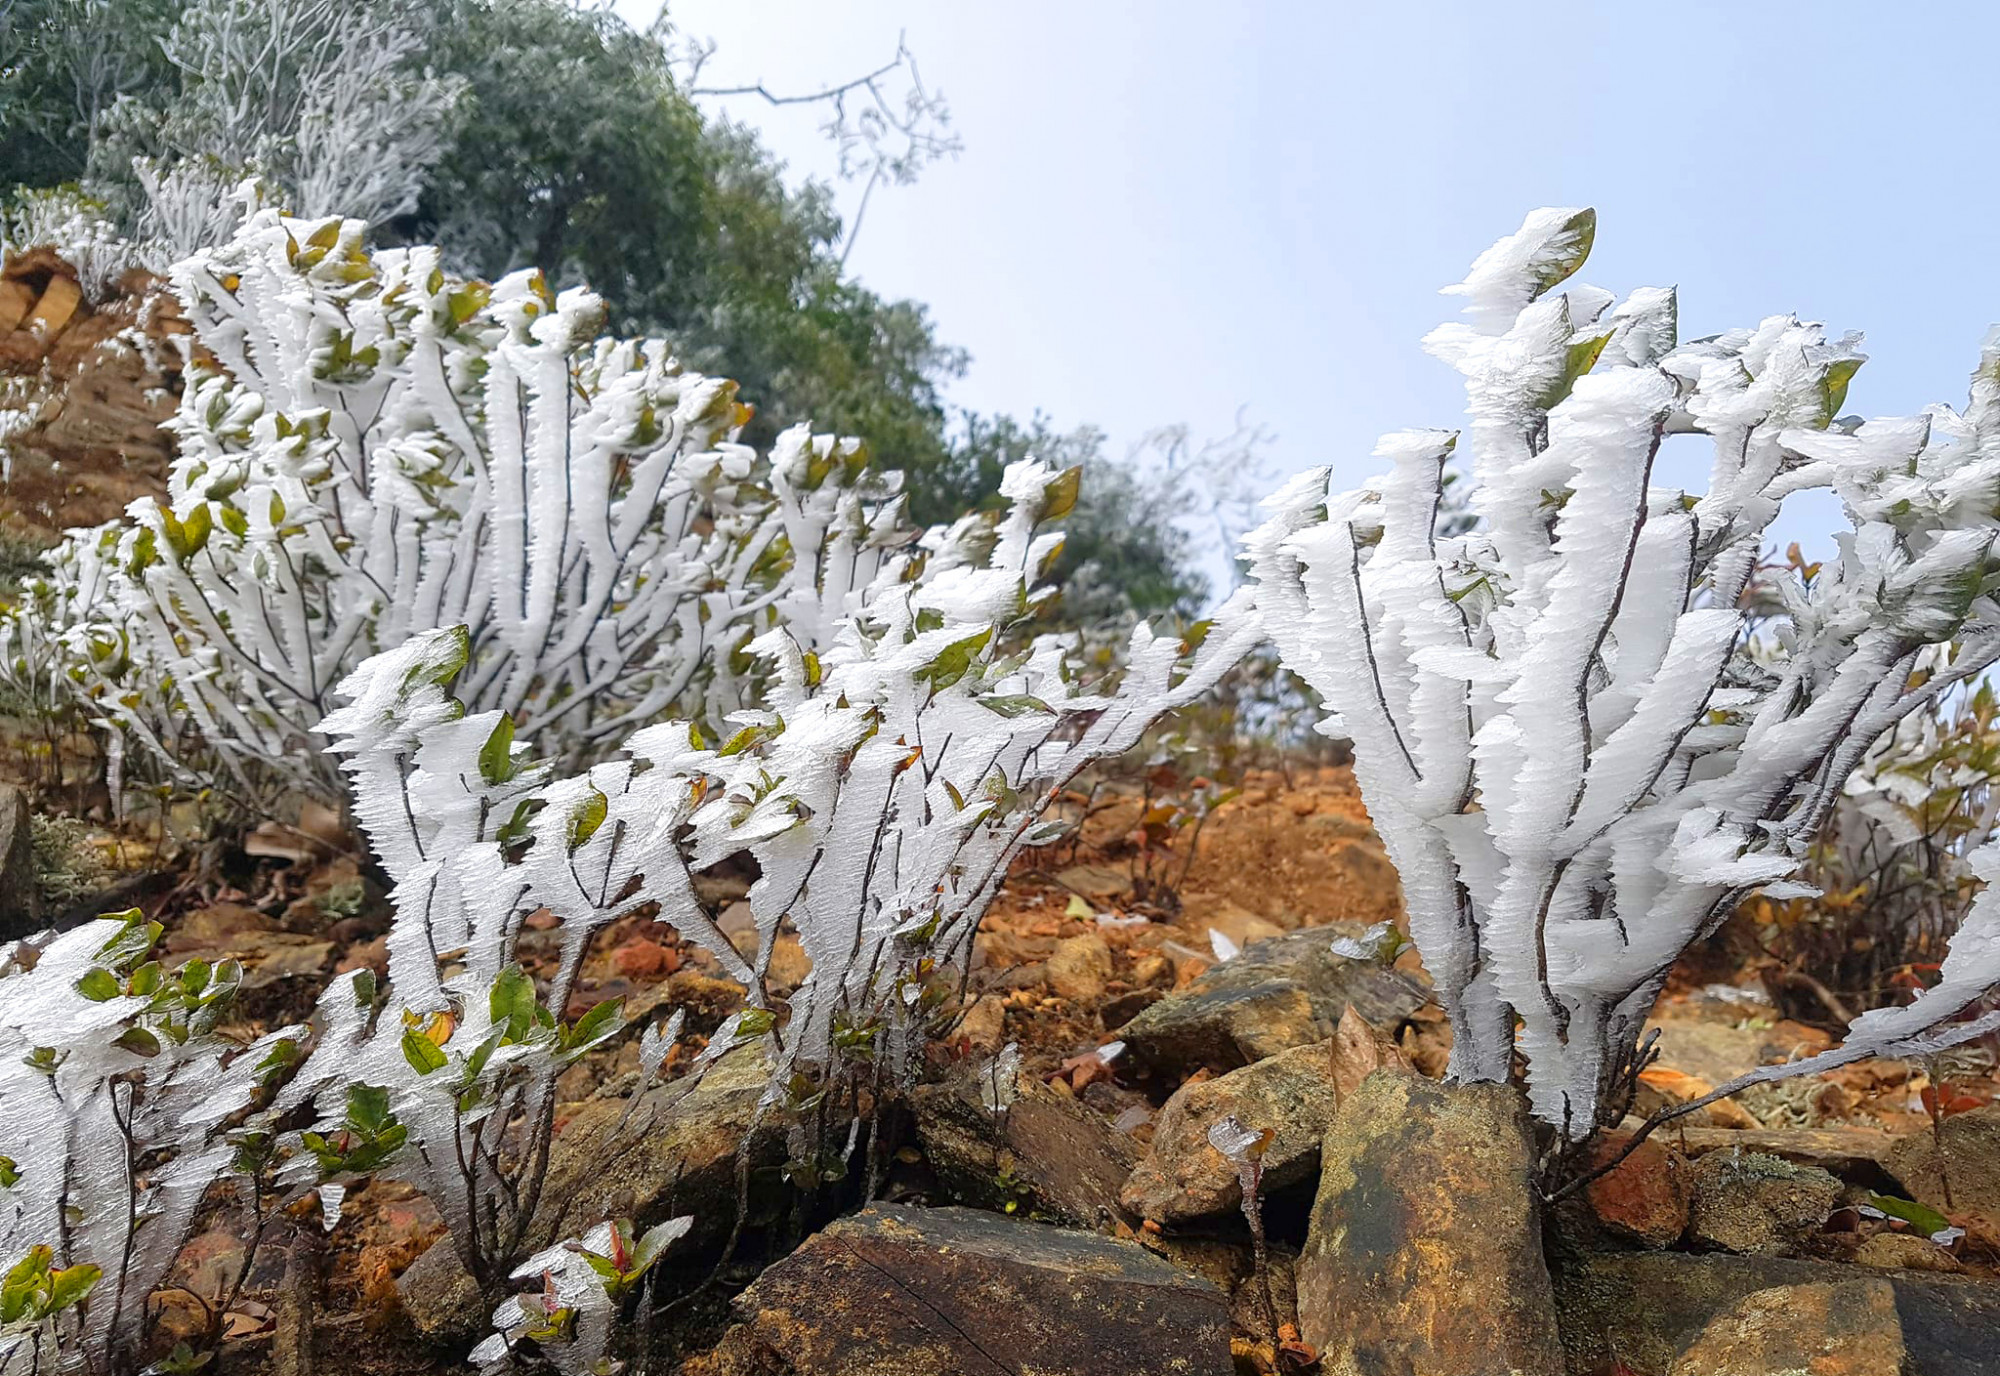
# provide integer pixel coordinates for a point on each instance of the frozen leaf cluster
(117, 1103)
(1580, 748)
(369, 448)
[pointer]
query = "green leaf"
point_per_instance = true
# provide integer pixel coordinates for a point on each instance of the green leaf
(754, 1022)
(1923, 1218)
(954, 661)
(512, 1001)
(422, 1053)
(496, 757)
(586, 818)
(138, 1041)
(514, 830)
(749, 736)
(1015, 704)
(1564, 251)
(135, 936)
(656, 1241)
(600, 1022)
(98, 985)
(367, 1109)
(1839, 374)
(10, 1173)
(1059, 495)
(70, 1284)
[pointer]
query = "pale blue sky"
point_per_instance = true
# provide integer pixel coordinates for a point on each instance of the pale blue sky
(1166, 211)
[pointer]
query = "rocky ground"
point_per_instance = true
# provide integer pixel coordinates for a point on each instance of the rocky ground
(1094, 1229)
(1846, 1223)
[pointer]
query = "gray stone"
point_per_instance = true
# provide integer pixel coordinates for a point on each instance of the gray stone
(896, 1291)
(1958, 1166)
(1645, 1308)
(1858, 1156)
(1048, 1156)
(20, 896)
(1827, 1328)
(1279, 993)
(1424, 1250)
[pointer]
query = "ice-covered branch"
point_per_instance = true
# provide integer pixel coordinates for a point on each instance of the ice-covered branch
(1578, 753)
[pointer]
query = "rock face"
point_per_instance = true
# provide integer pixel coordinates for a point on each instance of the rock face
(1969, 1162)
(1050, 1156)
(1645, 1197)
(1753, 1203)
(1424, 1251)
(1182, 1178)
(900, 1291)
(20, 899)
(88, 439)
(1279, 993)
(1836, 1328)
(679, 1148)
(1646, 1308)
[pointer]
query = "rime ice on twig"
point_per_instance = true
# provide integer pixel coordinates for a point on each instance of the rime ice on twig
(1577, 752)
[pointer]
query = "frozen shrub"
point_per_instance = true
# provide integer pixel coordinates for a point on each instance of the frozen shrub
(369, 448)
(881, 787)
(1578, 759)
(117, 1098)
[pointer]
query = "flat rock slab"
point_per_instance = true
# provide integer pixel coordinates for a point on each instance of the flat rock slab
(897, 1291)
(1647, 1309)
(1858, 1156)
(1424, 1251)
(1282, 992)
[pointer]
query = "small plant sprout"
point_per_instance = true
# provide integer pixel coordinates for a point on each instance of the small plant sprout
(1580, 747)
(568, 1317)
(1000, 1080)
(1381, 943)
(1244, 1147)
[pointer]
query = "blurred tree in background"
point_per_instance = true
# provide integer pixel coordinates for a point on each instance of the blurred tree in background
(541, 132)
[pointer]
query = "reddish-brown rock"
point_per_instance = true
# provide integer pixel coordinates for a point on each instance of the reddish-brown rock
(1644, 1198)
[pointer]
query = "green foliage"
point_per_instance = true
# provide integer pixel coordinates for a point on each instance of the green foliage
(34, 1288)
(368, 1136)
(63, 66)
